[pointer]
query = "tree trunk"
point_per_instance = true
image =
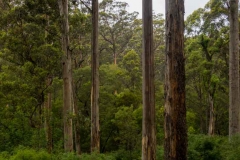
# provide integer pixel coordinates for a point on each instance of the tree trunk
(67, 78)
(148, 124)
(211, 126)
(175, 145)
(95, 137)
(115, 58)
(48, 110)
(234, 70)
(77, 121)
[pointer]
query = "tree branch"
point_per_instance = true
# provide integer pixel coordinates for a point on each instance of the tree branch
(89, 9)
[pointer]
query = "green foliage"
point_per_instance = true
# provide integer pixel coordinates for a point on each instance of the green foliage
(4, 155)
(67, 156)
(160, 152)
(30, 154)
(30, 53)
(202, 147)
(96, 156)
(126, 120)
(230, 151)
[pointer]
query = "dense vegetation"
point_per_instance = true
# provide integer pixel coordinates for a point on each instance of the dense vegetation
(31, 78)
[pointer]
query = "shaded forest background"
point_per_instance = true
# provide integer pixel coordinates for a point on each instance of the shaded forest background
(31, 79)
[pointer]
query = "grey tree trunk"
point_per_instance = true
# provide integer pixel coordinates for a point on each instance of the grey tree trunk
(175, 144)
(95, 130)
(148, 89)
(67, 78)
(234, 70)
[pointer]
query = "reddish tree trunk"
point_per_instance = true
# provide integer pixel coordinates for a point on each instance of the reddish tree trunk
(175, 145)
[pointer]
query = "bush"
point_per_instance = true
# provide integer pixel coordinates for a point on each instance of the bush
(231, 149)
(202, 147)
(67, 156)
(96, 156)
(30, 154)
(160, 152)
(4, 155)
(123, 154)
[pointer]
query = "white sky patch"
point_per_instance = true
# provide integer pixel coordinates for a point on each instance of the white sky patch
(159, 6)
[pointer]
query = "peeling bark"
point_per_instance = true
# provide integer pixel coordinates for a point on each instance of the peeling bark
(175, 145)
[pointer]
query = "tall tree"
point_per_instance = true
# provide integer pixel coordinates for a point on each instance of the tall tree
(149, 128)
(234, 69)
(175, 109)
(95, 138)
(116, 27)
(67, 77)
(207, 43)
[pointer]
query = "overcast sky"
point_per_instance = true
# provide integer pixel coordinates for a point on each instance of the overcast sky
(159, 5)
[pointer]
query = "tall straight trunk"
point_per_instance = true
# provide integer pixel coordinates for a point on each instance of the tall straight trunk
(211, 126)
(95, 137)
(67, 78)
(175, 144)
(148, 124)
(48, 110)
(77, 120)
(234, 127)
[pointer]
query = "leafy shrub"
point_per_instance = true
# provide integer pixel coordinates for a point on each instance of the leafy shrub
(231, 149)
(202, 147)
(30, 154)
(160, 152)
(67, 156)
(4, 155)
(126, 155)
(96, 156)
(43, 155)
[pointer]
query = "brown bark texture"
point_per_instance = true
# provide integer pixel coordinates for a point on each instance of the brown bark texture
(234, 127)
(148, 124)
(95, 130)
(67, 78)
(175, 143)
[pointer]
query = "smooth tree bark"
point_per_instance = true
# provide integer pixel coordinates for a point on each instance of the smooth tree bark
(67, 78)
(234, 127)
(95, 130)
(148, 124)
(175, 144)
